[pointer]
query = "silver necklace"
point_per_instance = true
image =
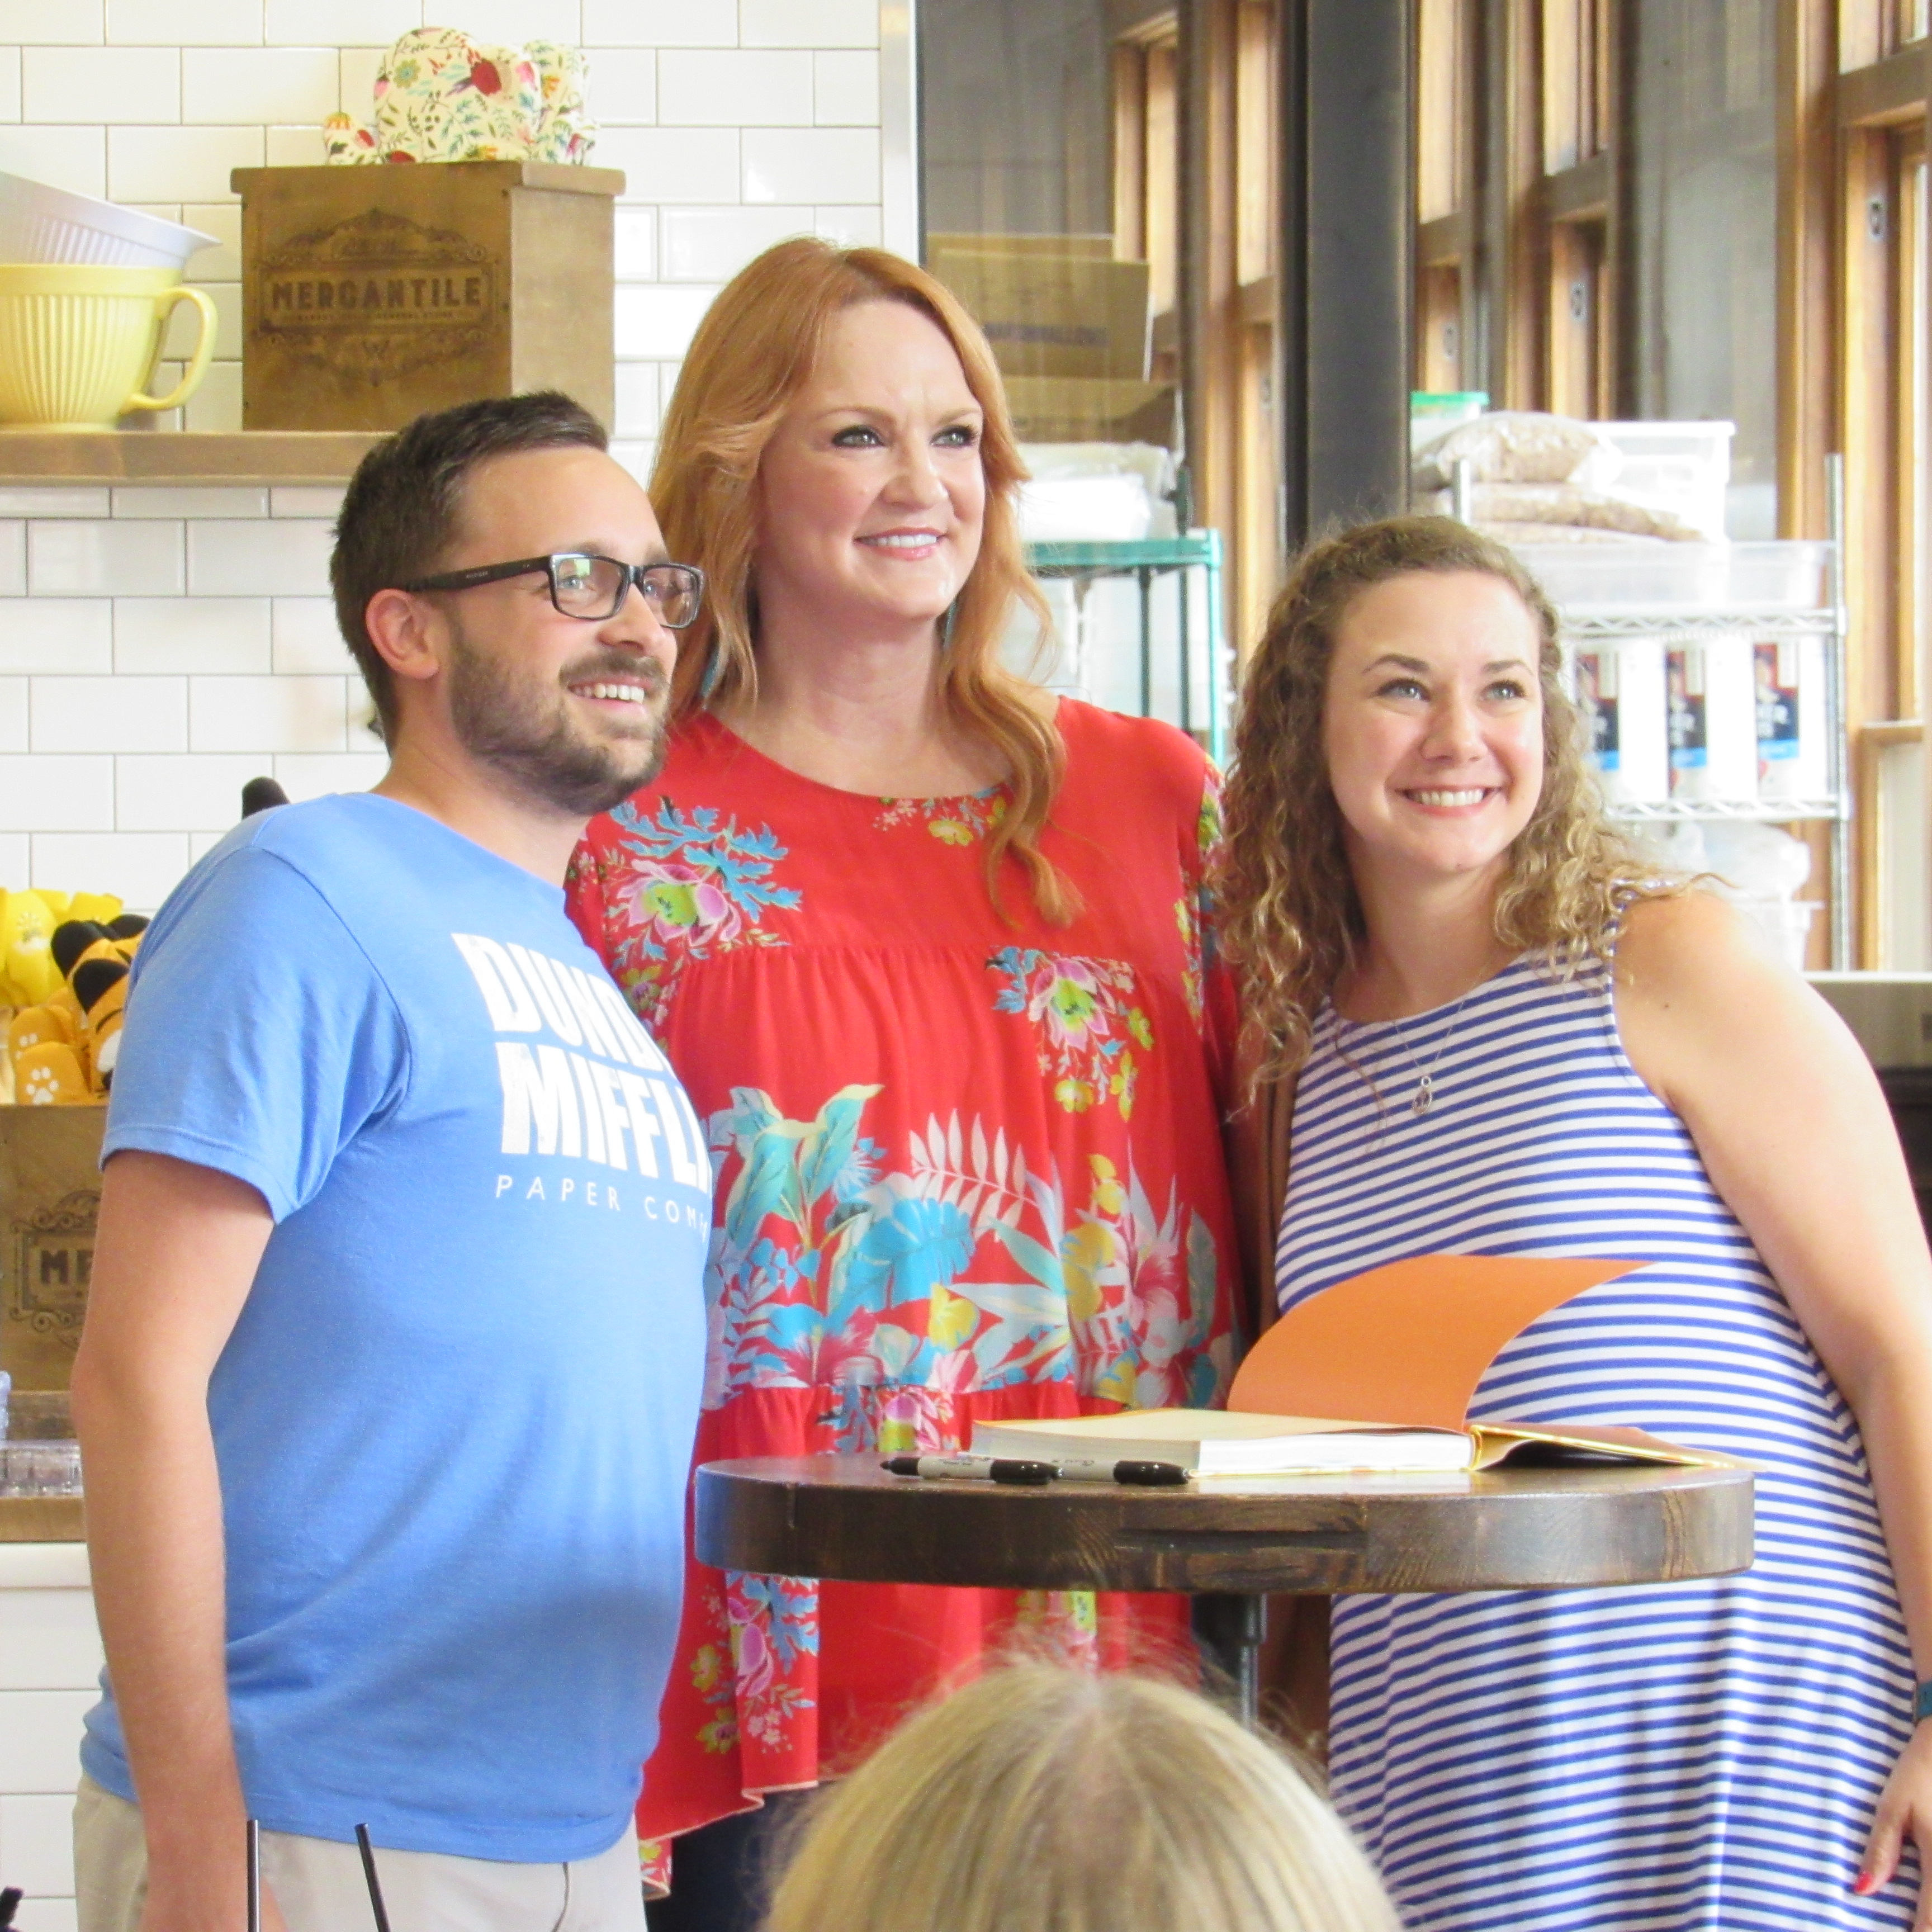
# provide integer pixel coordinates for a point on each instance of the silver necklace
(1424, 1096)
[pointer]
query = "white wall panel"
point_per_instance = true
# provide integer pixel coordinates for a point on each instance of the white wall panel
(200, 619)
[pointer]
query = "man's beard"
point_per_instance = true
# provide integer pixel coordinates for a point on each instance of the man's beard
(523, 730)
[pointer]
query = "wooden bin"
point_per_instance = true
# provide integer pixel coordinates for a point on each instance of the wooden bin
(370, 294)
(49, 1197)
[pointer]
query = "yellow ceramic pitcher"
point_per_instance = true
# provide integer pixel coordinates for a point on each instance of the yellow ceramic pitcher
(78, 342)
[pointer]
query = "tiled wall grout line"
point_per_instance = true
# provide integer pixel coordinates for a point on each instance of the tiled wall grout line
(153, 643)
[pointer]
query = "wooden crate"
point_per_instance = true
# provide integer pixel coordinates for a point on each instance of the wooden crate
(49, 1197)
(370, 294)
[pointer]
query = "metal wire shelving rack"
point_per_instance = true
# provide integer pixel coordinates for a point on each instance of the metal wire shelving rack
(1585, 625)
(1147, 561)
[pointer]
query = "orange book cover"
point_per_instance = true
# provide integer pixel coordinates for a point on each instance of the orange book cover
(1406, 1344)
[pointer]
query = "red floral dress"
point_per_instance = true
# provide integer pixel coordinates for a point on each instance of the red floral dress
(966, 1166)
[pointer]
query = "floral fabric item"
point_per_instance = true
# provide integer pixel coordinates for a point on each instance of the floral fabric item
(966, 1166)
(442, 96)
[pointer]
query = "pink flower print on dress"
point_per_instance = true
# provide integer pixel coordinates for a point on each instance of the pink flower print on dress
(1064, 998)
(688, 885)
(1087, 1019)
(756, 1668)
(677, 904)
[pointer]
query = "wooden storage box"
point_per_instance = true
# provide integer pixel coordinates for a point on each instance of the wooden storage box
(49, 1198)
(370, 294)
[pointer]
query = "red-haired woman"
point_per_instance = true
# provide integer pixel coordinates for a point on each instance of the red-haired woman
(926, 949)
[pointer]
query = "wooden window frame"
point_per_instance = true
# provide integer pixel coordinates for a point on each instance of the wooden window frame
(1449, 167)
(1550, 186)
(1878, 112)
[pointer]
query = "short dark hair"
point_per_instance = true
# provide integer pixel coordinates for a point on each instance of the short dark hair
(400, 510)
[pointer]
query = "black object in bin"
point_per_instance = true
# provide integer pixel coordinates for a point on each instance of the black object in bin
(259, 794)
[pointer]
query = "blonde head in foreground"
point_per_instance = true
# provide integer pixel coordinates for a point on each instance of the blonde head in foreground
(1042, 1799)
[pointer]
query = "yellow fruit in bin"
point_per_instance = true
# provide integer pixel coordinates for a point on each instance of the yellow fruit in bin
(49, 1076)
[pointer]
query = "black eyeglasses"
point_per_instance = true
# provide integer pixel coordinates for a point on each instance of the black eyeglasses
(592, 588)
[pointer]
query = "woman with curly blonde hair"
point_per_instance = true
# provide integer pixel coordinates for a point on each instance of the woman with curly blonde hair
(1506, 1035)
(924, 944)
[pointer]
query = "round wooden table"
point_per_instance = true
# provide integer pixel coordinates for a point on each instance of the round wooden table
(1537, 1528)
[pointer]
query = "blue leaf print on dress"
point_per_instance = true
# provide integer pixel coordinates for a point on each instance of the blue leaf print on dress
(683, 887)
(907, 1249)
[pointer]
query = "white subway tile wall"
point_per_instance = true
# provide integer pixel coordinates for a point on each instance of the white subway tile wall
(158, 646)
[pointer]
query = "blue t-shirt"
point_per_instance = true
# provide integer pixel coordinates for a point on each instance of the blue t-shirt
(454, 1419)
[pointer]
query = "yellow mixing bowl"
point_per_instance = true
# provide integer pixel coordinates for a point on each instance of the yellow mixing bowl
(78, 342)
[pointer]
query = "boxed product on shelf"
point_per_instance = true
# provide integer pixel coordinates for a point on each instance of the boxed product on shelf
(50, 1196)
(1620, 687)
(1792, 761)
(1711, 714)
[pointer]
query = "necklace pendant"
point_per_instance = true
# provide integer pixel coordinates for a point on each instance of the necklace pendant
(1425, 1096)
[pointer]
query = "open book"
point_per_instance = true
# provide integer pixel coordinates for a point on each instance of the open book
(1400, 1351)
(1208, 1442)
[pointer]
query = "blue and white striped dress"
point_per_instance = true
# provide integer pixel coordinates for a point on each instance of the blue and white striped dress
(1700, 1755)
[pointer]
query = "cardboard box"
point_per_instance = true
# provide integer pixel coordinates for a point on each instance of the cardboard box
(1052, 313)
(370, 294)
(1096, 246)
(49, 1197)
(1070, 409)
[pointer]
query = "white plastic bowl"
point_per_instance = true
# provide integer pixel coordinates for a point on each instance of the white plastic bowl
(39, 224)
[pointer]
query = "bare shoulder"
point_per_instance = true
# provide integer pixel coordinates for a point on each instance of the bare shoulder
(1700, 990)
(1681, 946)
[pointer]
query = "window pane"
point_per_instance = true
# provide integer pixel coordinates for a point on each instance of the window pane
(1047, 132)
(1705, 258)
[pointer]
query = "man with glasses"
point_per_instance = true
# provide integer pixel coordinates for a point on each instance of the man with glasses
(396, 1338)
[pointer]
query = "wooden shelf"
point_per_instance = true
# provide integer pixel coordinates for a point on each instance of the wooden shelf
(41, 1519)
(261, 456)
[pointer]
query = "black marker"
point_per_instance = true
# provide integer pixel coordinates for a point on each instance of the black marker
(1074, 1469)
(972, 1469)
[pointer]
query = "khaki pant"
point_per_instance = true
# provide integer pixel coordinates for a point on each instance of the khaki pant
(320, 1888)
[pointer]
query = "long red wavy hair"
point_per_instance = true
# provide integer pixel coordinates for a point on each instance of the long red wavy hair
(754, 351)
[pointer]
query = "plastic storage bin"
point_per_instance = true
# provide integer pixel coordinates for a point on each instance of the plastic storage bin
(1682, 467)
(1656, 576)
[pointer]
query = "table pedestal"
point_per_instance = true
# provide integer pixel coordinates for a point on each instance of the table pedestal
(1229, 1627)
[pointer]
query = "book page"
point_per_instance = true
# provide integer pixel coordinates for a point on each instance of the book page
(1193, 1425)
(1407, 1343)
